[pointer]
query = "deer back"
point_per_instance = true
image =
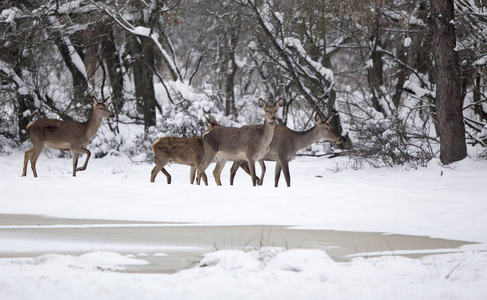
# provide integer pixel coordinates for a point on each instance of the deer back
(233, 143)
(57, 134)
(185, 151)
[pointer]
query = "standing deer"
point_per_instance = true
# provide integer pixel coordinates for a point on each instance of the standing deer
(247, 143)
(286, 143)
(65, 135)
(184, 151)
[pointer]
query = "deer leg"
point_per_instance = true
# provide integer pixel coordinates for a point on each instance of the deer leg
(207, 159)
(262, 166)
(201, 170)
(192, 174)
(220, 163)
(168, 176)
(245, 166)
(158, 167)
(198, 177)
(252, 171)
(75, 162)
(88, 155)
(205, 178)
(285, 171)
(33, 160)
(233, 170)
(27, 156)
(277, 173)
(153, 173)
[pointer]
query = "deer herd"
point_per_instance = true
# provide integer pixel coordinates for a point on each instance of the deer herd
(244, 146)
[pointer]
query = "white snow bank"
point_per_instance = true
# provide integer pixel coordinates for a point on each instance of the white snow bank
(268, 273)
(48, 263)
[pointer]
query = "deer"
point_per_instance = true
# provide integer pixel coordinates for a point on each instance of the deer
(286, 143)
(181, 150)
(65, 135)
(247, 143)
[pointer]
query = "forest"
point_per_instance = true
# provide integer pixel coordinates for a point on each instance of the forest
(376, 65)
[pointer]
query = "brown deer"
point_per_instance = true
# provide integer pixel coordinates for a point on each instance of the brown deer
(184, 151)
(247, 143)
(65, 135)
(286, 143)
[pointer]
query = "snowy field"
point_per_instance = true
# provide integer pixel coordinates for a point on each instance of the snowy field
(441, 202)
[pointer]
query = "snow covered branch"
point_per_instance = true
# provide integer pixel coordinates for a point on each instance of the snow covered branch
(298, 63)
(144, 32)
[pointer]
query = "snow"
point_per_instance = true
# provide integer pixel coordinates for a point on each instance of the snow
(480, 62)
(293, 274)
(416, 89)
(9, 15)
(437, 201)
(142, 31)
(407, 42)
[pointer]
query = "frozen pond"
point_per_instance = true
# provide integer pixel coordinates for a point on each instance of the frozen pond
(174, 246)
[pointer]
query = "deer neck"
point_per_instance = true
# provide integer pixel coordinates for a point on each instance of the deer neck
(92, 125)
(307, 138)
(268, 130)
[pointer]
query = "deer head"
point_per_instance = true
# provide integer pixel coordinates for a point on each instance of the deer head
(100, 109)
(326, 129)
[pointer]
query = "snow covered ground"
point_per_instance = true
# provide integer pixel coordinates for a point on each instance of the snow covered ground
(441, 202)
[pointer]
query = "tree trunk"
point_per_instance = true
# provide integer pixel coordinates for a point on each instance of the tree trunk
(375, 73)
(448, 86)
(149, 97)
(143, 73)
(23, 120)
(230, 108)
(111, 56)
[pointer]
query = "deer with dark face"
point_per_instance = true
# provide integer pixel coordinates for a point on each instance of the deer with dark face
(247, 143)
(286, 143)
(65, 135)
(180, 150)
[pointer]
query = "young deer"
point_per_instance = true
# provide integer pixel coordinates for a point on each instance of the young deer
(247, 143)
(286, 143)
(65, 135)
(184, 151)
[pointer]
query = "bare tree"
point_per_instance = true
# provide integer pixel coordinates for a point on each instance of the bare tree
(449, 102)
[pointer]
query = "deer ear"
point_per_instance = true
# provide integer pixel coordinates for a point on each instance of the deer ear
(94, 100)
(106, 99)
(262, 103)
(280, 103)
(330, 118)
(317, 118)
